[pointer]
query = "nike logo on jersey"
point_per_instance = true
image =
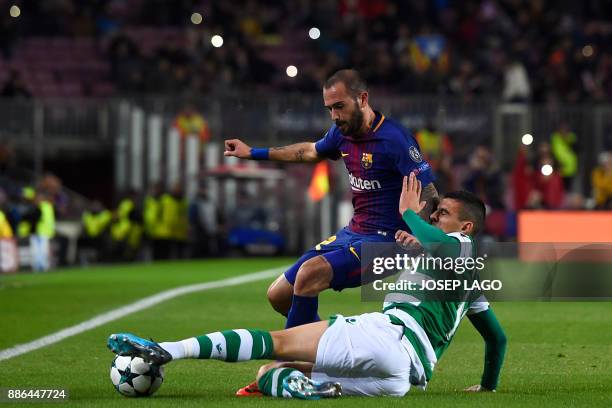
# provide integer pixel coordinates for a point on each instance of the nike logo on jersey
(344, 154)
(354, 253)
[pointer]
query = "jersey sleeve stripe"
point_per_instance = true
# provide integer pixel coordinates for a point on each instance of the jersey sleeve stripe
(479, 305)
(465, 242)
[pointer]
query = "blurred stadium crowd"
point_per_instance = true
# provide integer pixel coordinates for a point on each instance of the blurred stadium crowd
(165, 224)
(540, 50)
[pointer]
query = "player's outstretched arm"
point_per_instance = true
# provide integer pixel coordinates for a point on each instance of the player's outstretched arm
(299, 152)
(296, 153)
(495, 348)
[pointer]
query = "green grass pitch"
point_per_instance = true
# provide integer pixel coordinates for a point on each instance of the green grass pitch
(559, 353)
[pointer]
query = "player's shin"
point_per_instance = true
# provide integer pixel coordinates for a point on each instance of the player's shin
(227, 345)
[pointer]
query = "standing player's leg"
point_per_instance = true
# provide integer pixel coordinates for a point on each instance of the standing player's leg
(339, 268)
(280, 292)
(279, 295)
(295, 293)
(313, 277)
(314, 274)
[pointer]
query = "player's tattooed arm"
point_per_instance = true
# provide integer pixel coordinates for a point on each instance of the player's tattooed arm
(299, 152)
(429, 194)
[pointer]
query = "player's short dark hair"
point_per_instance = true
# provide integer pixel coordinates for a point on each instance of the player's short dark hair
(472, 208)
(352, 79)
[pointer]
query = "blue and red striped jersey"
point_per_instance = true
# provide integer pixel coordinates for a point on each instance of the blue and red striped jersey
(376, 164)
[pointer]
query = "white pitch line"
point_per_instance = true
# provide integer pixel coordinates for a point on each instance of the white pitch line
(137, 306)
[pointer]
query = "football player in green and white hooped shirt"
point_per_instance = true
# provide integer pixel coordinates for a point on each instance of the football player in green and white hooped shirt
(431, 325)
(370, 354)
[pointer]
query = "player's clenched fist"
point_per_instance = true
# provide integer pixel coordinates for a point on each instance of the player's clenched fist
(237, 148)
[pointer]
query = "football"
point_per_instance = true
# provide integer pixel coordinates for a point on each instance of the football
(134, 377)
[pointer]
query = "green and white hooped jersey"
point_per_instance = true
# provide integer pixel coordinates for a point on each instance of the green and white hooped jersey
(430, 326)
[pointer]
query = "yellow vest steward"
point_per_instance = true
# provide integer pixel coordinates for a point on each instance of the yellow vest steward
(95, 224)
(46, 224)
(23, 229)
(5, 228)
(181, 227)
(121, 228)
(561, 146)
(174, 223)
(152, 217)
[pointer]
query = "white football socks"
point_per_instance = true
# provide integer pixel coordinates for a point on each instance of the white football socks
(189, 348)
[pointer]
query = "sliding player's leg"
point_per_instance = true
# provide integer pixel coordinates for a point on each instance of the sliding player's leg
(298, 343)
(276, 379)
(361, 355)
(292, 380)
(304, 368)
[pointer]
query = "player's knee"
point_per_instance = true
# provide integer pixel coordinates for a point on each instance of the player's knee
(398, 390)
(279, 299)
(313, 277)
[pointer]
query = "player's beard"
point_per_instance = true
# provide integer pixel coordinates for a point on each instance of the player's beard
(353, 126)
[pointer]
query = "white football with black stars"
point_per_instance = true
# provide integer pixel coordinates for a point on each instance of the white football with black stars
(134, 377)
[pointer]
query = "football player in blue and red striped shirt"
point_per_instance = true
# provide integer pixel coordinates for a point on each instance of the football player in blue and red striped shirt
(378, 152)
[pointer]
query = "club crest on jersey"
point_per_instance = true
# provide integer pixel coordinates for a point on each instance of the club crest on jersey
(366, 160)
(415, 155)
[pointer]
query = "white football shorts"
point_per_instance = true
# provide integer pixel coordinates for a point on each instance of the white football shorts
(367, 356)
